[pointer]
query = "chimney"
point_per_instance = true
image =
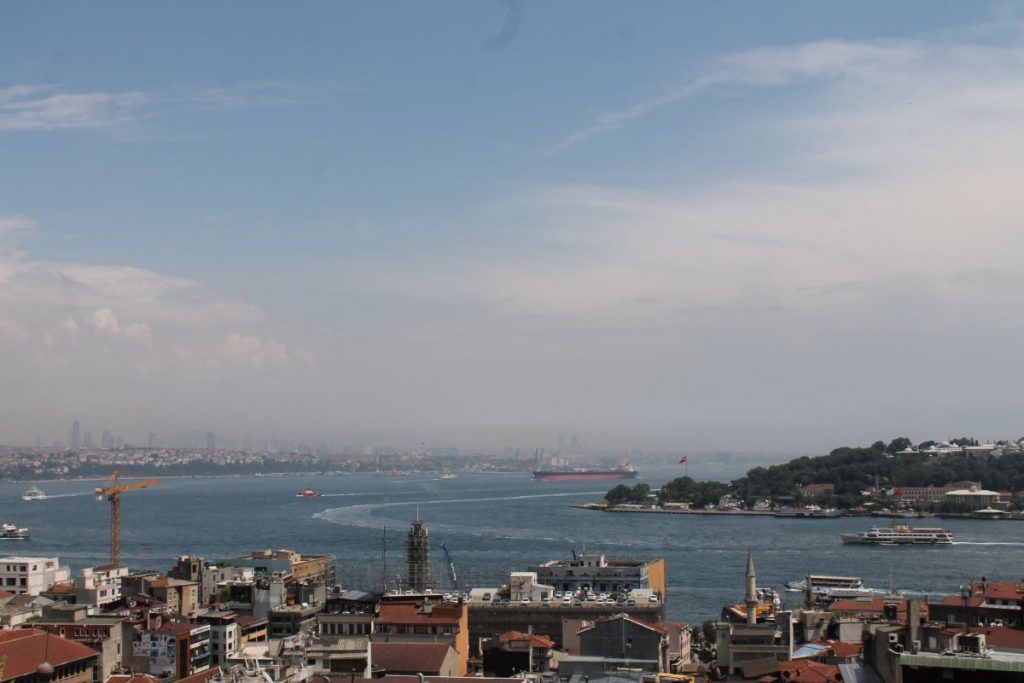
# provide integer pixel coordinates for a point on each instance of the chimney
(914, 620)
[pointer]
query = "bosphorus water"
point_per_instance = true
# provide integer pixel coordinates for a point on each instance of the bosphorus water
(492, 524)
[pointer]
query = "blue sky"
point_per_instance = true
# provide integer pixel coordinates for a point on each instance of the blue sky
(694, 225)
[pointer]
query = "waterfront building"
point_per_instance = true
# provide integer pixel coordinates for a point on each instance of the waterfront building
(110, 636)
(595, 572)
(99, 586)
(25, 651)
(31, 575)
(814, 491)
(419, 619)
(975, 498)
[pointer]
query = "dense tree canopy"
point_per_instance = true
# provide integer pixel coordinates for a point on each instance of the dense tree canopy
(851, 470)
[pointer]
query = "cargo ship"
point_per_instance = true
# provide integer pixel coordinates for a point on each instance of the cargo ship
(584, 474)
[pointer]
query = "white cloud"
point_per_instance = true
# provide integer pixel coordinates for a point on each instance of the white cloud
(37, 107)
(104, 321)
(239, 349)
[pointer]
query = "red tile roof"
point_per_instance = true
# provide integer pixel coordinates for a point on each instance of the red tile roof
(410, 613)
(25, 649)
(841, 649)
(133, 678)
(409, 657)
(806, 671)
(999, 590)
(201, 677)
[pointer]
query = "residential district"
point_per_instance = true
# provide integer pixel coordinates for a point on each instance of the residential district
(283, 616)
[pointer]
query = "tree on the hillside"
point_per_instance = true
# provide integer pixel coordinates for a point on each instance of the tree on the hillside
(898, 444)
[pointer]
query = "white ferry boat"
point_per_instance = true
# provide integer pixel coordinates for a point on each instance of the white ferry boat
(10, 532)
(33, 494)
(899, 534)
(448, 476)
(825, 581)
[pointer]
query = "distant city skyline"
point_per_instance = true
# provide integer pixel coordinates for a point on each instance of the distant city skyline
(684, 226)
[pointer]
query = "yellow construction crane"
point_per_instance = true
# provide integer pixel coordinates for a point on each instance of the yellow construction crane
(113, 494)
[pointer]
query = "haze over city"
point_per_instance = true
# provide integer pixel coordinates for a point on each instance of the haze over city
(690, 226)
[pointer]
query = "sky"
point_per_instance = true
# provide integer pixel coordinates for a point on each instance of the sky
(725, 225)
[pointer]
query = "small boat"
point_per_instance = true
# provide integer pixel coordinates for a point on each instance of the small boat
(307, 493)
(10, 532)
(33, 494)
(448, 475)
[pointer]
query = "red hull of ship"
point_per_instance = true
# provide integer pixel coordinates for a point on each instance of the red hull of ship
(581, 476)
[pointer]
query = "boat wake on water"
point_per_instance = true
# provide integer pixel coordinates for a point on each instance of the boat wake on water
(362, 515)
(1016, 543)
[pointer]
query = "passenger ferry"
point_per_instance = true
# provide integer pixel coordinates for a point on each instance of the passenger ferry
(10, 532)
(307, 493)
(824, 581)
(33, 494)
(899, 534)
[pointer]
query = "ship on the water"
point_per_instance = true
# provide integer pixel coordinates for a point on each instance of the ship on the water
(33, 493)
(626, 471)
(10, 532)
(307, 493)
(899, 534)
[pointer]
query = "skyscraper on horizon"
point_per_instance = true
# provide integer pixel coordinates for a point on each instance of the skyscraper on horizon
(74, 440)
(211, 440)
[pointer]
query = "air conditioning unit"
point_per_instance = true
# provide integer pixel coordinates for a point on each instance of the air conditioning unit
(897, 648)
(894, 638)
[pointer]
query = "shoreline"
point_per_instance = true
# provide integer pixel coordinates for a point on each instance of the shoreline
(598, 507)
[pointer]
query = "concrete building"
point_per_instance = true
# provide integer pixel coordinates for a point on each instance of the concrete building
(23, 651)
(287, 564)
(623, 637)
(172, 649)
(31, 575)
(429, 659)
(345, 623)
(99, 586)
(415, 619)
(974, 498)
(516, 652)
(181, 597)
(984, 603)
(525, 587)
(225, 635)
(110, 636)
(288, 620)
(597, 573)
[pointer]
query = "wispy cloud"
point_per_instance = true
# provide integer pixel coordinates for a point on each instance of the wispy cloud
(762, 67)
(37, 107)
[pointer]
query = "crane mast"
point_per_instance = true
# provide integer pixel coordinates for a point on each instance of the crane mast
(113, 494)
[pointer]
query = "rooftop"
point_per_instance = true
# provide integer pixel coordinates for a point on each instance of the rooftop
(409, 657)
(23, 650)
